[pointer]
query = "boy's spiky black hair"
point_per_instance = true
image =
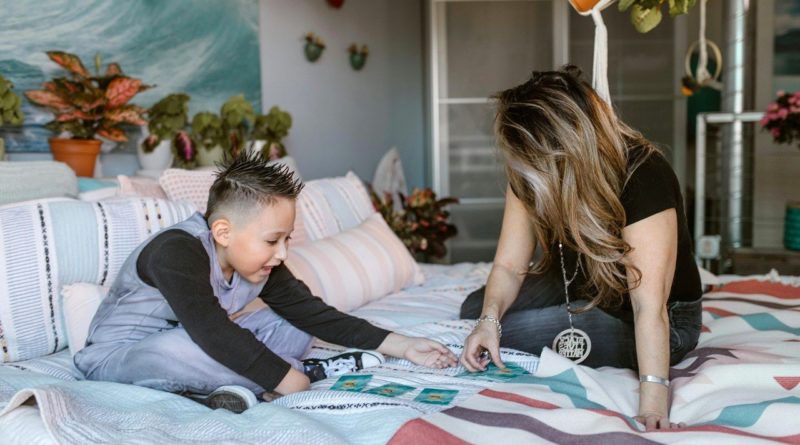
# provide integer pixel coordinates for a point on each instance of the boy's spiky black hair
(249, 180)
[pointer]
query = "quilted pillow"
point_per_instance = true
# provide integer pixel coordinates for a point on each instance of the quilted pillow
(329, 206)
(354, 267)
(47, 244)
(193, 185)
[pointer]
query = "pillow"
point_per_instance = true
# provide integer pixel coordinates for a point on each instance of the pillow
(332, 205)
(140, 187)
(47, 244)
(23, 181)
(81, 301)
(354, 267)
(193, 185)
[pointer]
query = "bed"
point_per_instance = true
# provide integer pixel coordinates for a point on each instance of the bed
(741, 385)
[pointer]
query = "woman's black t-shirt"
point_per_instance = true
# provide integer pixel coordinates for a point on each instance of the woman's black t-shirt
(652, 188)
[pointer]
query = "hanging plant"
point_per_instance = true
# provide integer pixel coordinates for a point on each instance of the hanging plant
(646, 14)
(358, 57)
(314, 47)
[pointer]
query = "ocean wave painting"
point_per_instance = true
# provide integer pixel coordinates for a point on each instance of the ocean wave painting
(205, 48)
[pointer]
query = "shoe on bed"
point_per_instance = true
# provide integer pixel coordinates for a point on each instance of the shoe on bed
(236, 399)
(350, 361)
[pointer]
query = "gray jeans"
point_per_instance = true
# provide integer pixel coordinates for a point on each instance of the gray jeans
(170, 361)
(539, 314)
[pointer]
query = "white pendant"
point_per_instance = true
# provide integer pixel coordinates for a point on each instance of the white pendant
(573, 344)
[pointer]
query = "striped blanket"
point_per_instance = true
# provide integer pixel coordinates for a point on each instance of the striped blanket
(740, 385)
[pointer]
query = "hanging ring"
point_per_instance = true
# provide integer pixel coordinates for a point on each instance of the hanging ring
(717, 56)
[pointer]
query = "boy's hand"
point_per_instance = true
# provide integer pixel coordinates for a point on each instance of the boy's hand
(421, 351)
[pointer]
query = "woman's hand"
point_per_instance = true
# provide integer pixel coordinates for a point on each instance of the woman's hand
(484, 337)
(421, 351)
(657, 422)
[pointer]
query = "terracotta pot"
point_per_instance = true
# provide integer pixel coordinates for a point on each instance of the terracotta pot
(79, 154)
(583, 5)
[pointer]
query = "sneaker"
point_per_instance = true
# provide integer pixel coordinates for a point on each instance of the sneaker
(236, 399)
(351, 361)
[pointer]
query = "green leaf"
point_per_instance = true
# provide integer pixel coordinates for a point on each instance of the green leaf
(644, 20)
(678, 7)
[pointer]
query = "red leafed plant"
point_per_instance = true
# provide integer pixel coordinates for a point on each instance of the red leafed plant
(422, 223)
(86, 105)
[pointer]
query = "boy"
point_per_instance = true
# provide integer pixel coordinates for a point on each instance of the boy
(170, 320)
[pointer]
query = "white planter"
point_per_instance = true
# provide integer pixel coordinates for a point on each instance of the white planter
(158, 159)
(207, 158)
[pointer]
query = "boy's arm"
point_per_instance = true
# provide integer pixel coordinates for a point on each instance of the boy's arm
(291, 299)
(178, 266)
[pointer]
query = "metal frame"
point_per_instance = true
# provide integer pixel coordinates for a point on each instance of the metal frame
(703, 119)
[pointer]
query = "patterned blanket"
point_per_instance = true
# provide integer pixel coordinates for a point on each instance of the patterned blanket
(741, 385)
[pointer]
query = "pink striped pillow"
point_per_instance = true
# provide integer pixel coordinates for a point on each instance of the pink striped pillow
(354, 267)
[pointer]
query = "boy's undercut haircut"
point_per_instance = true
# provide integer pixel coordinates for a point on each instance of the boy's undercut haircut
(247, 182)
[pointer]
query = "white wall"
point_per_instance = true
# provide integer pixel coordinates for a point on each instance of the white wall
(346, 119)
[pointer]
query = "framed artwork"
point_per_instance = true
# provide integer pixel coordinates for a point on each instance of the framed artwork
(786, 45)
(208, 49)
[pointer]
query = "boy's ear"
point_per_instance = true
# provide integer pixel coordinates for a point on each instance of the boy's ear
(221, 231)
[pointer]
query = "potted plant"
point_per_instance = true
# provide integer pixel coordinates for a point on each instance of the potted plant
(10, 113)
(87, 106)
(782, 120)
(269, 131)
(422, 223)
(208, 137)
(165, 119)
(237, 116)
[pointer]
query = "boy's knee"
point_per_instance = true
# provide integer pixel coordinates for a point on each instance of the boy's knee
(473, 305)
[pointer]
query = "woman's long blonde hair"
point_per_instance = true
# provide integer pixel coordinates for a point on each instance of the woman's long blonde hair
(567, 157)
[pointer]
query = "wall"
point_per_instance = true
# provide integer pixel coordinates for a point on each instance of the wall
(346, 119)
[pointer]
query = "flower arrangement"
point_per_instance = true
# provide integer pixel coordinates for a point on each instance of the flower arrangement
(782, 118)
(86, 105)
(422, 223)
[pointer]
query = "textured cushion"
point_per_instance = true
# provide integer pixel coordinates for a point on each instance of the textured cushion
(193, 185)
(47, 244)
(140, 187)
(81, 301)
(23, 181)
(329, 206)
(354, 267)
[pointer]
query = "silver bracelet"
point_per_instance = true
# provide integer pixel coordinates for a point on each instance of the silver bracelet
(493, 320)
(654, 379)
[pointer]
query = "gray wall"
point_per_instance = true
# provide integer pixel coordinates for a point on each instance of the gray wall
(346, 119)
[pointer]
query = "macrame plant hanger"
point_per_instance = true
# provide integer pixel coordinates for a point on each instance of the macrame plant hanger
(701, 77)
(600, 68)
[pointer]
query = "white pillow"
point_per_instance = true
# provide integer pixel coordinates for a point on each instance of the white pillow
(81, 301)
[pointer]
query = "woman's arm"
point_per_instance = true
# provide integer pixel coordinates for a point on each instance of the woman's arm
(654, 243)
(514, 251)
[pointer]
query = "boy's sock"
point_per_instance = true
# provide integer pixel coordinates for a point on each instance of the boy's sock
(351, 361)
(236, 399)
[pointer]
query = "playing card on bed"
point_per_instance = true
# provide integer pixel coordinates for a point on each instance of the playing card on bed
(494, 373)
(351, 383)
(390, 390)
(436, 396)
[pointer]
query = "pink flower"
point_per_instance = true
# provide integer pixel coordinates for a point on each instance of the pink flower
(782, 113)
(764, 121)
(772, 107)
(780, 93)
(775, 132)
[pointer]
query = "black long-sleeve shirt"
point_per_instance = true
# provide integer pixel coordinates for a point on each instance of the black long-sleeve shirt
(177, 264)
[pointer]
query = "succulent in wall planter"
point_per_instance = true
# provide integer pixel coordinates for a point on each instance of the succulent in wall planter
(269, 131)
(237, 116)
(314, 47)
(166, 118)
(208, 136)
(87, 107)
(10, 113)
(358, 57)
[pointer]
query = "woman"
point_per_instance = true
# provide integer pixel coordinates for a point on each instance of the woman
(615, 283)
